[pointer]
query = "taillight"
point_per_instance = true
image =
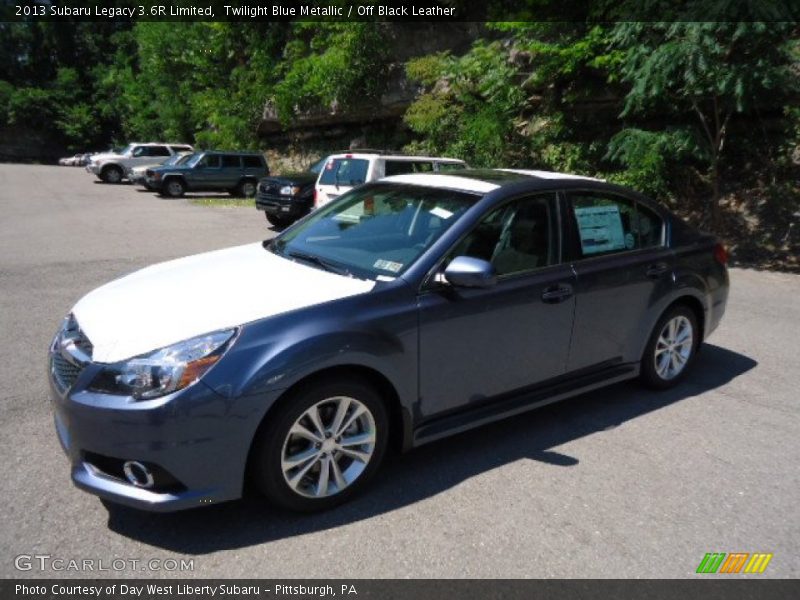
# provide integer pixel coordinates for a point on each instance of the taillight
(316, 198)
(721, 254)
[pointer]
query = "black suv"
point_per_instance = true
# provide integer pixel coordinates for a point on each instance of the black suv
(286, 198)
(211, 171)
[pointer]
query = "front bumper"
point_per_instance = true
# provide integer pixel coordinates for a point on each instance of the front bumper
(93, 168)
(196, 438)
(282, 206)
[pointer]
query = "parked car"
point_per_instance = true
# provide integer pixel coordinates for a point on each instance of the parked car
(342, 172)
(138, 175)
(72, 161)
(112, 167)
(286, 198)
(211, 171)
(406, 310)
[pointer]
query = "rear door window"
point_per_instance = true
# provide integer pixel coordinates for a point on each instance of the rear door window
(444, 166)
(344, 171)
(230, 161)
(403, 167)
(610, 224)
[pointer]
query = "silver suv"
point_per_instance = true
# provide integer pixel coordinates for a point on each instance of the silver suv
(112, 167)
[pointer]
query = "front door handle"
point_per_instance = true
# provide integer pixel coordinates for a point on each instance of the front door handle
(656, 270)
(557, 293)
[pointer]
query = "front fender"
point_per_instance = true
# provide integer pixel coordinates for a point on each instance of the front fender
(276, 353)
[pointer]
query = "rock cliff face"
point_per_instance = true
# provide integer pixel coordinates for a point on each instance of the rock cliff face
(380, 125)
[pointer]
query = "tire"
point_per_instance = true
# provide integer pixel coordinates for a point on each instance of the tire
(671, 348)
(174, 188)
(306, 467)
(278, 222)
(111, 174)
(247, 189)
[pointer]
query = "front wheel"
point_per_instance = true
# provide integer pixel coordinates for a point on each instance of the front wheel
(174, 188)
(111, 174)
(671, 348)
(277, 222)
(322, 447)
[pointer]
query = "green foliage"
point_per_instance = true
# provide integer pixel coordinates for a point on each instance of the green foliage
(330, 67)
(649, 157)
(470, 106)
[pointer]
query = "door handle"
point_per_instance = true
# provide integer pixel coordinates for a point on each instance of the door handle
(656, 270)
(557, 293)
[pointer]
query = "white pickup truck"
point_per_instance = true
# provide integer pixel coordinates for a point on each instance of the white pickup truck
(113, 167)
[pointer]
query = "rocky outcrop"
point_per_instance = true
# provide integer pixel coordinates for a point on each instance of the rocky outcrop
(406, 41)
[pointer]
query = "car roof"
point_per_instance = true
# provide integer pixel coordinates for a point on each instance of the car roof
(486, 180)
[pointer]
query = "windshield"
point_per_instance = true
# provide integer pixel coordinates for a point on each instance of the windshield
(178, 159)
(374, 231)
(124, 150)
(344, 171)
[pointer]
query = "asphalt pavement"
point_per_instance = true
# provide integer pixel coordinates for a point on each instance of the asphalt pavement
(622, 482)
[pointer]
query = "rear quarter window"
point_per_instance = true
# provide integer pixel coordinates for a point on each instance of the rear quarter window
(252, 162)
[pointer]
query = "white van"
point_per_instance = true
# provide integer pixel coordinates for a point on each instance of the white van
(343, 172)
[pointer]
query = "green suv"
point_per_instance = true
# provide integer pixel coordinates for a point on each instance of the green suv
(211, 171)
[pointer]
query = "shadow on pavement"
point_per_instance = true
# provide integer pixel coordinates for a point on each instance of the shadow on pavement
(431, 469)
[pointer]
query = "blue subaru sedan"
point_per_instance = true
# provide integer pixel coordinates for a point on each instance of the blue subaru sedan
(404, 311)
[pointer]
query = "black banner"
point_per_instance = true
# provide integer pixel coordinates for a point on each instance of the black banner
(412, 589)
(400, 10)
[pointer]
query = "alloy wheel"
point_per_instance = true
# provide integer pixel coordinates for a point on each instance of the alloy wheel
(674, 347)
(328, 447)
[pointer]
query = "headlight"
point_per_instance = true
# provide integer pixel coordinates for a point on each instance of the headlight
(290, 190)
(163, 371)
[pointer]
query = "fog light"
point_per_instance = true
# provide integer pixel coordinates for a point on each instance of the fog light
(137, 474)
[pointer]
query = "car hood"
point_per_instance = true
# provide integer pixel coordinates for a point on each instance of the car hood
(176, 300)
(106, 156)
(304, 178)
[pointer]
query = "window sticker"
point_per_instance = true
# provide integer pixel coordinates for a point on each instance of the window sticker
(600, 228)
(440, 212)
(388, 265)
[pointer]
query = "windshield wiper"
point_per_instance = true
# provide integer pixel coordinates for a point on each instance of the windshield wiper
(316, 260)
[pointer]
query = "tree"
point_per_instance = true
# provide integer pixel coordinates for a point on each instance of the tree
(711, 70)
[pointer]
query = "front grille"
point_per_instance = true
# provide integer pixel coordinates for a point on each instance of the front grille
(65, 372)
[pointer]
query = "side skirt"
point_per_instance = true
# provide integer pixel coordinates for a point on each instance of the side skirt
(471, 417)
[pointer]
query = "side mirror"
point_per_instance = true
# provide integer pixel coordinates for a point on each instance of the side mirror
(466, 271)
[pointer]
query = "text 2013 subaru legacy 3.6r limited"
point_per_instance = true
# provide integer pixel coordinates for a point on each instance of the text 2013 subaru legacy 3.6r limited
(404, 311)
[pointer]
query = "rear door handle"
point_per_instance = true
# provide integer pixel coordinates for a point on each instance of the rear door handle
(557, 293)
(656, 270)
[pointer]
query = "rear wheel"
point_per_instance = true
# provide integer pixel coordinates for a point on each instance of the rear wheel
(111, 174)
(247, 188)
(322, 446)
(671, 348)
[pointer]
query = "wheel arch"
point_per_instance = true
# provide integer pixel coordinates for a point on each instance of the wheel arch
(399, 420)
(694, 304)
